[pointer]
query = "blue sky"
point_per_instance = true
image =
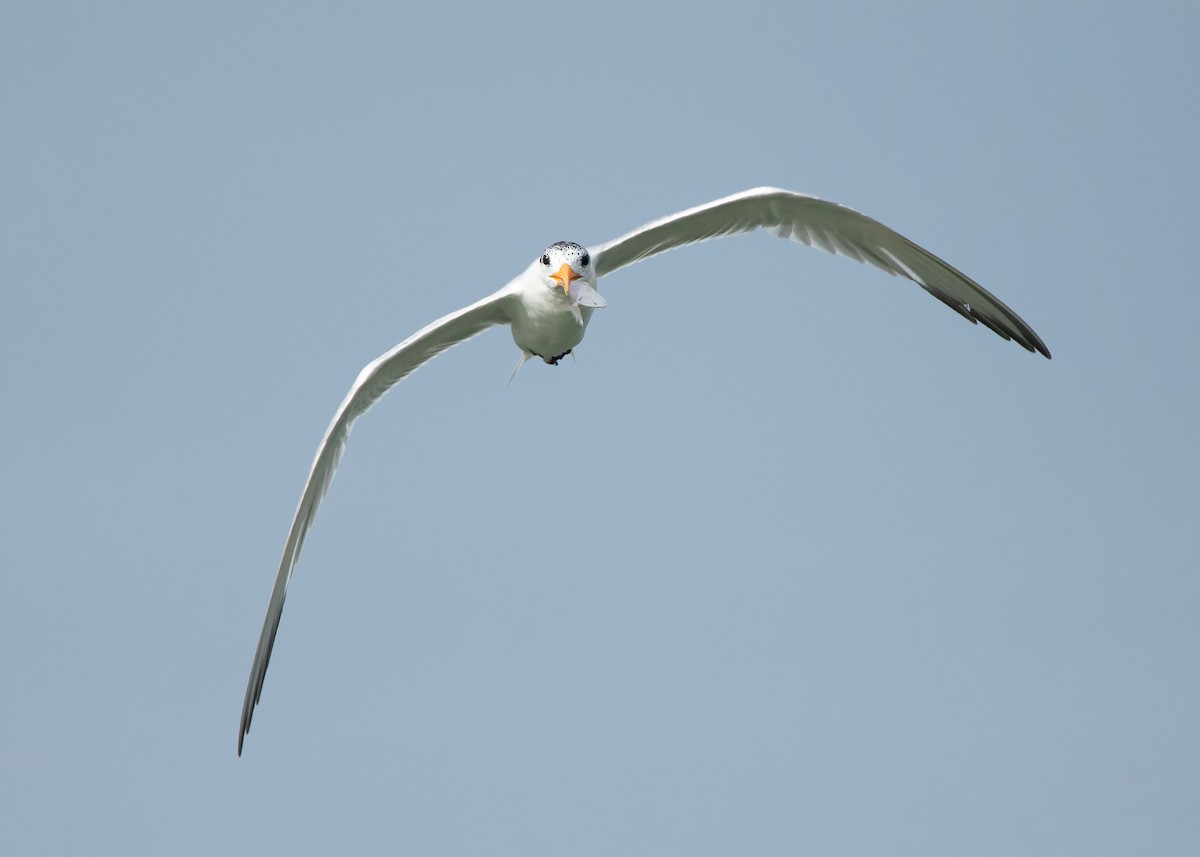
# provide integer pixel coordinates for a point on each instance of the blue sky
(792, 560)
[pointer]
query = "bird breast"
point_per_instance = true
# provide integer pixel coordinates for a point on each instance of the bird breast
(543, 324)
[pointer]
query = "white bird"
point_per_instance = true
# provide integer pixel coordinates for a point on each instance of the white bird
(549, 304)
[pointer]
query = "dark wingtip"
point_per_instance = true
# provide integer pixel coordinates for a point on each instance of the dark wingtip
(258, 676)
(243, 731)
(1035, 345)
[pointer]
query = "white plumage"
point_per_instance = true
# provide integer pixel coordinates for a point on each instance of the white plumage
(548, 306)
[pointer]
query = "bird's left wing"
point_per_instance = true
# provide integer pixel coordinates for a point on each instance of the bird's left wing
(376, 378)
(826, 225)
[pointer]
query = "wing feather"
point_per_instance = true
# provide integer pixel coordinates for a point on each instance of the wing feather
(373, 381)
(827, 226)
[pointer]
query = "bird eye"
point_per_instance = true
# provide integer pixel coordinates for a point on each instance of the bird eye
(546, 259)
(584, 261)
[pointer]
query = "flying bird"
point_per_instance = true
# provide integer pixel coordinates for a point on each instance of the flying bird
(549, 304)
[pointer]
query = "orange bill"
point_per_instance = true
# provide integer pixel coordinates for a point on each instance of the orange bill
(565, 275)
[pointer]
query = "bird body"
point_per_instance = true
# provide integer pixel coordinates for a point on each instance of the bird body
(542, 320)
(549, 305)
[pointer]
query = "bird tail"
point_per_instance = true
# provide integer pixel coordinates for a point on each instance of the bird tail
(525, 355)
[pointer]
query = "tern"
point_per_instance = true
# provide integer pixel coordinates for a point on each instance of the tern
(549, 304)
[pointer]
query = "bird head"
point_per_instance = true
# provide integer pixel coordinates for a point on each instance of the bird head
(563, 263)
(568, 266)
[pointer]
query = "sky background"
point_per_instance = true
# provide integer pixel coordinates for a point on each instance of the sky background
(792, 560)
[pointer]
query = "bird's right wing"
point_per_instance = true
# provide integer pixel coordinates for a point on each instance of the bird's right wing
(376, 378)
(826, 225)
